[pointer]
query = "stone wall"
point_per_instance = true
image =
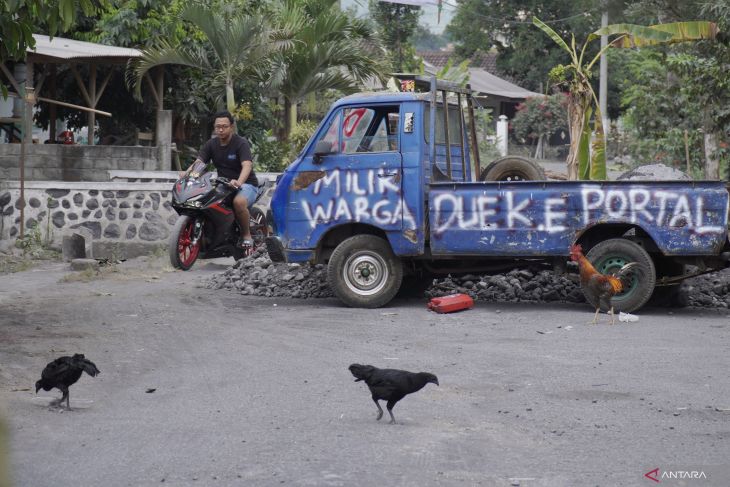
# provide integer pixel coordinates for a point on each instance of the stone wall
(126, 219)
(53, 162)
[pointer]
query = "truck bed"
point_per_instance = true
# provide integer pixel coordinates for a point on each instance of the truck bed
(542, 218)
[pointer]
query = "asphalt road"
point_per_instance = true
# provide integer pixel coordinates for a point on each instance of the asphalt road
(255, 391)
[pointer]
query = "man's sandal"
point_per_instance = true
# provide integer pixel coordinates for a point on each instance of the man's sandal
(247, 246)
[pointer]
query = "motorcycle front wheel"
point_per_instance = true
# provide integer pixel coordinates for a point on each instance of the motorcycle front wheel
(183, 247)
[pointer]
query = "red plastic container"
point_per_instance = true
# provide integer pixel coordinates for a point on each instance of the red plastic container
(449, 304)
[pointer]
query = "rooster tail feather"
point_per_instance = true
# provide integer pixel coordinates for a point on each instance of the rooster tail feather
(625, 272)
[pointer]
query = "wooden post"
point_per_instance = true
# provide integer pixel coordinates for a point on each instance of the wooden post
(92, 96)
(27, 139)
(52, 113)
(28, 101)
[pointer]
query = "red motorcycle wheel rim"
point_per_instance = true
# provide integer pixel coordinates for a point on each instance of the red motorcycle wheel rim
(186, 249)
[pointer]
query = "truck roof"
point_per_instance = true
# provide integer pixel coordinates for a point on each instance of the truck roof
(382, 97)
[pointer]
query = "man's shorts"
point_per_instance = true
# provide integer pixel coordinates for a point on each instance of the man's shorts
(249, 191)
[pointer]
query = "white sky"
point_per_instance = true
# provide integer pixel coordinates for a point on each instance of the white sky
(429, 17)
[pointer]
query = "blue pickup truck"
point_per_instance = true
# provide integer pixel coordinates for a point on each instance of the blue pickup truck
(390, 186)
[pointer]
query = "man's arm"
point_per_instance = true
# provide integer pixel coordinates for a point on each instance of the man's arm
(244, 155)
(203, 155)
(246, 167)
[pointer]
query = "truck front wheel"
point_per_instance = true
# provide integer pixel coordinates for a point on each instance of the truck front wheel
(363, 272)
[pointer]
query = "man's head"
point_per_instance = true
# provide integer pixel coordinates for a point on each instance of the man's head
(223, 125)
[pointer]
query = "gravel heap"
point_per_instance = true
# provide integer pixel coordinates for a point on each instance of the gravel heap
(258, 276)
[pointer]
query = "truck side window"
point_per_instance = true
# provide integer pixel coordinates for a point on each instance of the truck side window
(333, 133)
(354, 126)
(370, 129)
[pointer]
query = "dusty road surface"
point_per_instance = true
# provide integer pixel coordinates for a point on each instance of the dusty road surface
(255, 391)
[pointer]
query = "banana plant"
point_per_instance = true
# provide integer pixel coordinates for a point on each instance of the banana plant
(587, 156)
(235, 46)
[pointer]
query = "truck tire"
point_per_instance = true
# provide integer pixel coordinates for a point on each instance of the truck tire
(513, 168)
(611, 255)
(363, 272)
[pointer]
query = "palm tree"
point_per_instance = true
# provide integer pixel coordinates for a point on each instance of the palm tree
(238, 45)
(584, 163)
(330, 51)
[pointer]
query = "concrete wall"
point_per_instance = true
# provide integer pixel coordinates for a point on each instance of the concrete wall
(52, 162)
(124, 219)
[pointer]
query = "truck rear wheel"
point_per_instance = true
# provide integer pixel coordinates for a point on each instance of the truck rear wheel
(513, 168)
(363, 272)
(609, 256)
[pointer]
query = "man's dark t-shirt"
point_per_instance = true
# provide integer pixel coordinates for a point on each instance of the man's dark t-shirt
(227, 159)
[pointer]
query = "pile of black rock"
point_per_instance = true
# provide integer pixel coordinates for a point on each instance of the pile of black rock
(258, 276)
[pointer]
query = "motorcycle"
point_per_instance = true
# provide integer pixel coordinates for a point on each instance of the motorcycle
(207, 227)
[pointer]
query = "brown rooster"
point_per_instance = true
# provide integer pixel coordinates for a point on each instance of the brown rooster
(600, 286)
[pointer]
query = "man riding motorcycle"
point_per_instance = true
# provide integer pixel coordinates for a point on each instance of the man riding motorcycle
(231, 156)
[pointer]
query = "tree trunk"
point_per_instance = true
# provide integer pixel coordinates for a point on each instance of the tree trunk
(290, 117)
(230, 99)
(712, 162)
(540, 149)
(576, 116)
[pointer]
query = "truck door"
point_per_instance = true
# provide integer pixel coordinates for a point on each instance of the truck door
(360, 179)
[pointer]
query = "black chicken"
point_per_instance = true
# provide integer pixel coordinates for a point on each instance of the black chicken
(64, 372)
(390, 385)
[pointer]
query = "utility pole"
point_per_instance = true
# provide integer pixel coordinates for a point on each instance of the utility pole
(603, 81)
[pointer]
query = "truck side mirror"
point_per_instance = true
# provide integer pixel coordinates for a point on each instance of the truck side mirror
(321, 148)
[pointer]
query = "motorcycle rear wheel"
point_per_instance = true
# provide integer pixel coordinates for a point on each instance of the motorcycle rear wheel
(182, 249)
(259, 226)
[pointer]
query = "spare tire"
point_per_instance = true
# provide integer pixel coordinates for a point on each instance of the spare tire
(513, 168)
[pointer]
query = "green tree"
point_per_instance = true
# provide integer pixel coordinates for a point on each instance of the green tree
(397, 24)
(425, 40)
(504, 27)
(20, 18)
(540, 117)
(237, 45)
(587, 160)
(330, 50)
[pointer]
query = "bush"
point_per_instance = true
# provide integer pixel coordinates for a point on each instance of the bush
(270, 154)
(486, 135)
(540, 116)
(299, 136)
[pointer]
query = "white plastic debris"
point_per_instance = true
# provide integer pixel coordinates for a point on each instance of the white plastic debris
(627, 317)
